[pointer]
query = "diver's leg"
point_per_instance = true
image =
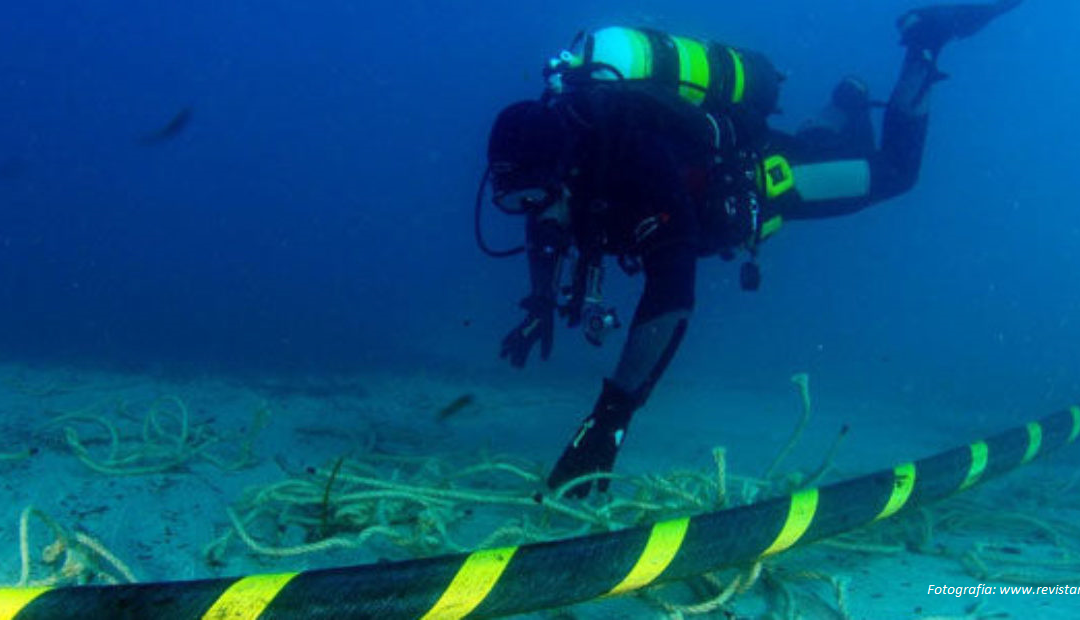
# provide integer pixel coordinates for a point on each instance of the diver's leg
(660, 319)
(842, 129)
(895, 168)
(655, 333)
(924, 32)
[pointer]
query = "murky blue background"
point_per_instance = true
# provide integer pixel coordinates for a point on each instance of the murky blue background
(316, 215)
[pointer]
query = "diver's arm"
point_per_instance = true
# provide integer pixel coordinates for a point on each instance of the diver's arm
(547, 239)
(546, 242)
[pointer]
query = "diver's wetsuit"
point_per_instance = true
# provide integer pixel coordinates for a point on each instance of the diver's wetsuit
(653, 190)
(632, 192)
(636, 187)
(640, 183)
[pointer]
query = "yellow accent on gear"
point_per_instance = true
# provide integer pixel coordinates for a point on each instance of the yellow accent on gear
(904, 476)
(771, 225)
(980, 453)
(664, 541)
(778, 175)
(1034, 442)
(693, 69)
(738, 89)
(1076, 423)
(800, 514)
(472, 583)
(248, 598)
(13, 600)
(641, 56)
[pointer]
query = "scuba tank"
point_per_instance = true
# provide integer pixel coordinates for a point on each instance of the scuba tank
(718, 78)
(737, 89)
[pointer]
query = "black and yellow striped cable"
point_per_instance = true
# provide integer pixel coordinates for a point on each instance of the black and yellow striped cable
(497, 582)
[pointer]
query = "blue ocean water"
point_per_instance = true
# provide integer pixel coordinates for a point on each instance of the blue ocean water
(315, 214)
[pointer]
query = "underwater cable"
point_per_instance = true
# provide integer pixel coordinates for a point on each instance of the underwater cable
(508, 580)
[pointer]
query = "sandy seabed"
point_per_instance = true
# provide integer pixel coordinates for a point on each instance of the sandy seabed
(149, 468)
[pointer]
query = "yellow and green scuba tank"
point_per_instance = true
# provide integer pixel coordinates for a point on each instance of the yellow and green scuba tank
(714, 76)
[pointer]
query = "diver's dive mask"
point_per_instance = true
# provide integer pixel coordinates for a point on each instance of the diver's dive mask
(524, 152)
(518, 189)
(526, 200)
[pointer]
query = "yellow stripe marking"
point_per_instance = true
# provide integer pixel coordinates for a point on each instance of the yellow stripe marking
(771, 225)
(693, 69)
(800, 514)
(903, 485)
(1076, 423)
(13, 600)
(472, 583)
(643, 55)
(980, 453)
(739, 88)
(664, 542)
(778, 175)
(1034, 442)
(248, 597)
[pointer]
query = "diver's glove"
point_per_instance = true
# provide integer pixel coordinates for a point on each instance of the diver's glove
(930, 28)
(596, 443)
(538, 326)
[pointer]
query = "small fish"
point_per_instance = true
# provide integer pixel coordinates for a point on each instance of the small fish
(169, 130)
(455, 406)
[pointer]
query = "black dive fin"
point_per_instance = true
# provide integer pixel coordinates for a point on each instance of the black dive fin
(931, 27)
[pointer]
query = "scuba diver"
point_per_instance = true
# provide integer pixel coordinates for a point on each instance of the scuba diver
(655, 149)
